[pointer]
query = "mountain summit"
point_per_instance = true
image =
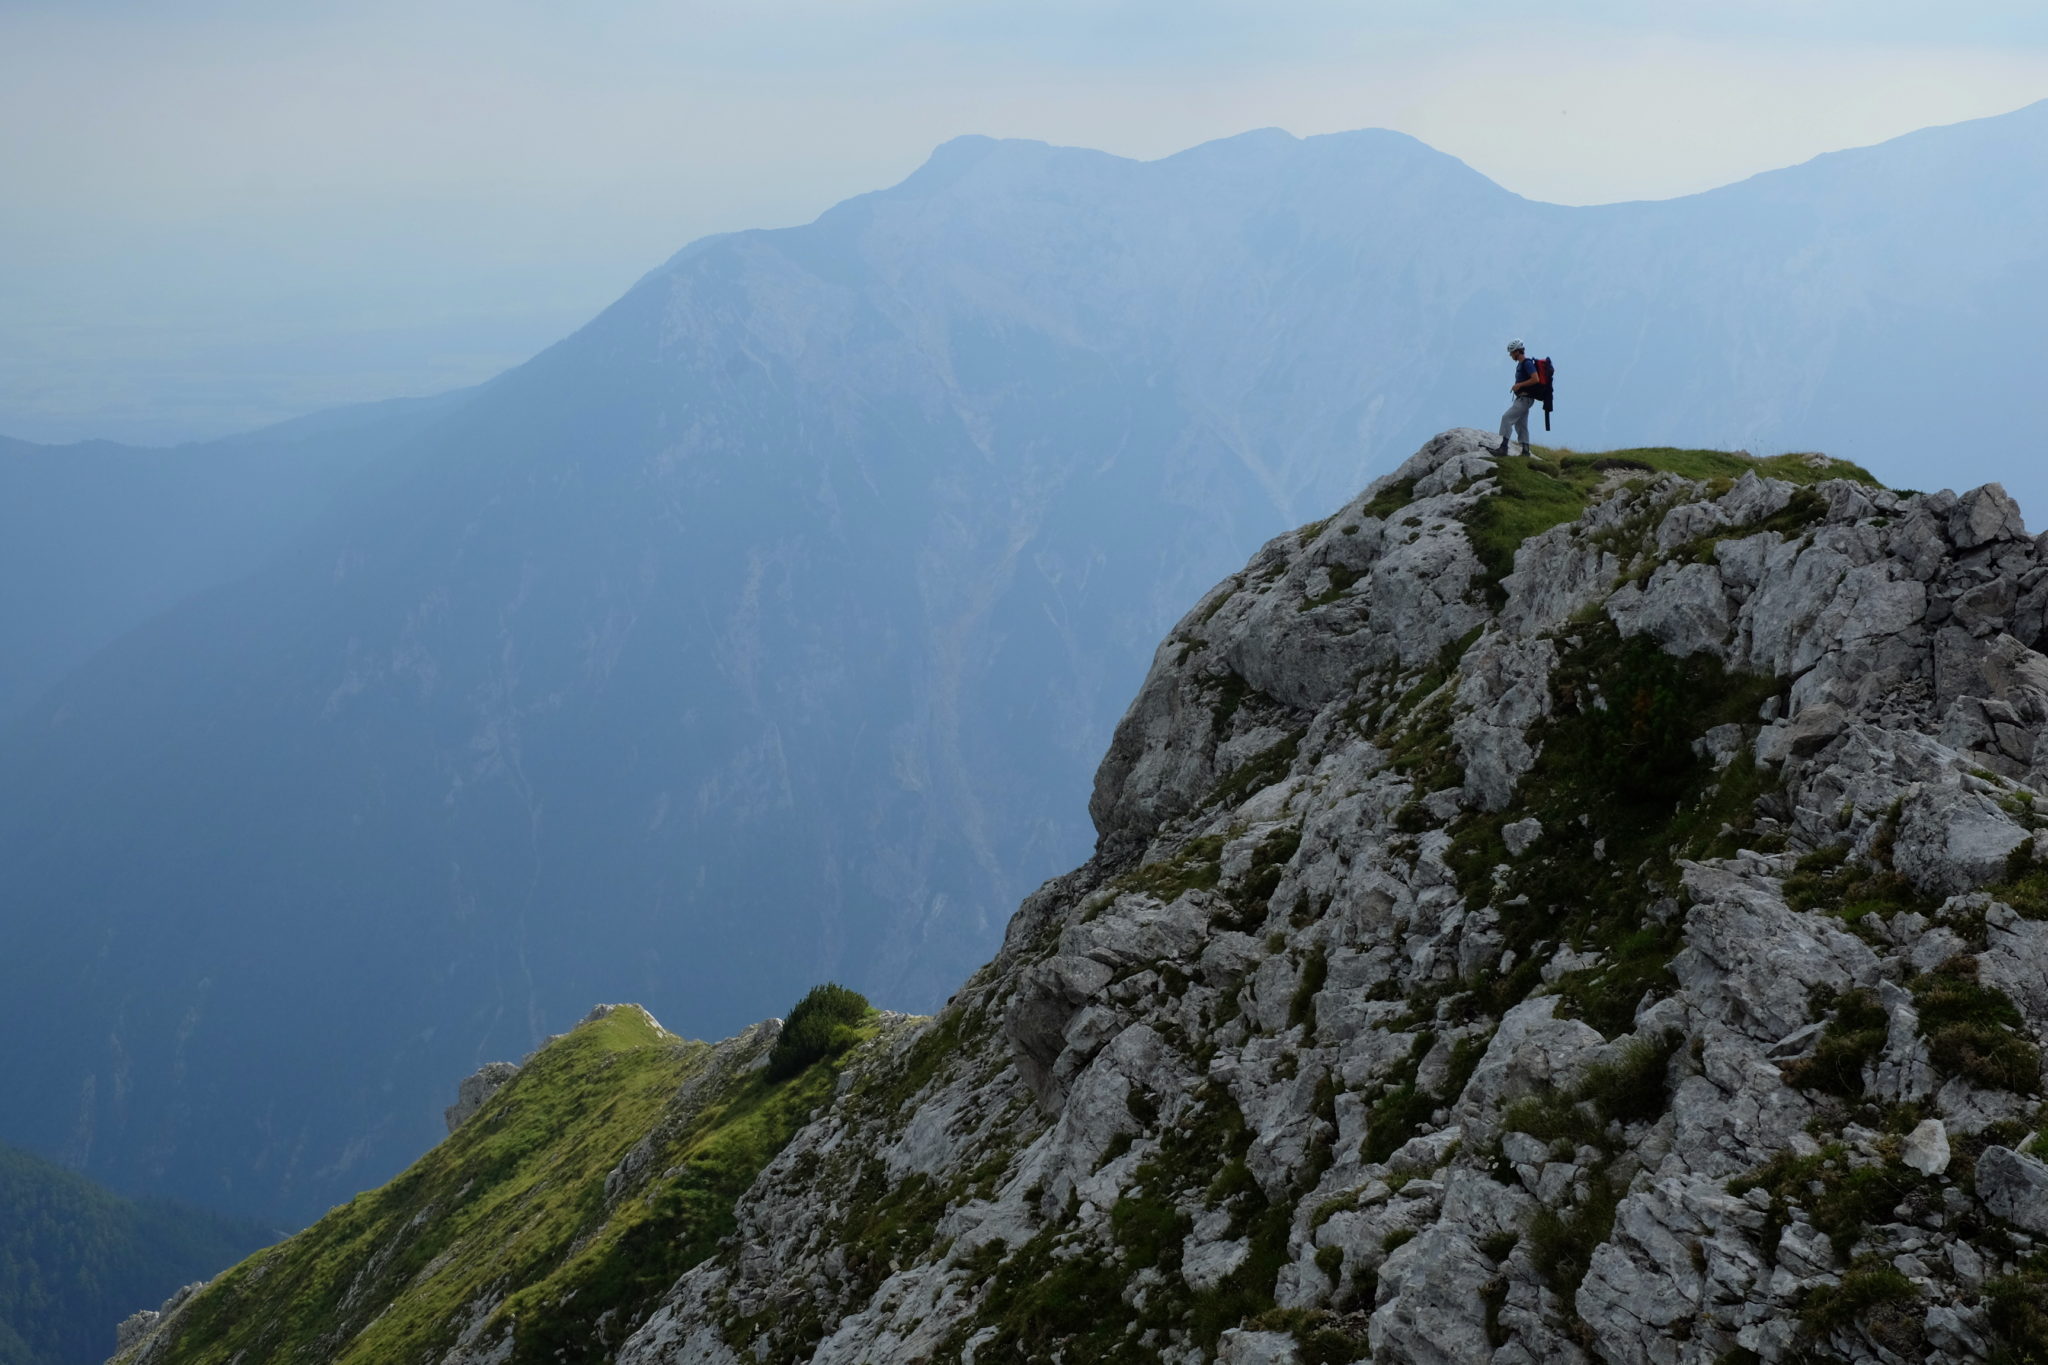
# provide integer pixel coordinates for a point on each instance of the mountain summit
(1585, 907)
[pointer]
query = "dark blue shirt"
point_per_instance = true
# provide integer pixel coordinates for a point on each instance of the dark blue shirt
(1525, 368)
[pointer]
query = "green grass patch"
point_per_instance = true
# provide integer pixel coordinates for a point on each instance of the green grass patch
(2016, 1311)
(1401, 1108)
(1252, 896)
(1623, 797)
(1391, 499)
(1634, 1087)
(1842, 1198)
(1975, 1031)
(1342, 579)
(1321, 1337)
(1535, 495)
(939, 1045)
(1853, 1038)
(1875, 1296)
(515, 1197)
(1562, 1241)
(2025, 886)
(1045, 1303)
(1046, 1306)
(583, 1311)
(1301, 1011)
(1640, 964)
(1255, 774)
(1441, 671)
(887, 1221)
(504, 1197)
(1198, 866)
(1554, 487)
(1828, 880)
(1231, 691)
(1419, 747)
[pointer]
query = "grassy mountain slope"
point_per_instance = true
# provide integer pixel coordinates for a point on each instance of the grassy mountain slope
(564, 1207)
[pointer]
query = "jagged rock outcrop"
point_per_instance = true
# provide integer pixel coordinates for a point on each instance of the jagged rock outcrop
(1583, 909)
(477, 1087)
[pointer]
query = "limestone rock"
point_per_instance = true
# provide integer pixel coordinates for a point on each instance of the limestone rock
(1532, 1052)
(133, 1328)
(1951, 840)
(1240, 1347)
(1047, 997)
(2014, 1187)
(476, 1088)
(1681, 1252)
(1925, 1149)
(1683, 607)
(1984, 515)
(1432, 1306)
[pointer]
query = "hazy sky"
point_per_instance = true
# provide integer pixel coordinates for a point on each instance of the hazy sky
(222, 212)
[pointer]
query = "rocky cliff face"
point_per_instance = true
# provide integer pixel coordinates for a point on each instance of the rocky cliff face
(1571, 909)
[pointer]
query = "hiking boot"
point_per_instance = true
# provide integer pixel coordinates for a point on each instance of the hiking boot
(1501, 453)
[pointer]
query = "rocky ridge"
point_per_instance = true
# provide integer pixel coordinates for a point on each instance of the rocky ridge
(1568, 909)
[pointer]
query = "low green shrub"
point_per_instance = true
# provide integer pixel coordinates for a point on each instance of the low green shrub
(1314, 972)
(2025, 887)
(823, 1024)
(1974, 1030)
(1842, 1199)
(2016, 1311)
(1633, 1088)
(1875, 1296)
(1853, 1038)
(1562, 1242)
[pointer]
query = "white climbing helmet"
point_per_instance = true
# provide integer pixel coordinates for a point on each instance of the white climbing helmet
(1516, 345)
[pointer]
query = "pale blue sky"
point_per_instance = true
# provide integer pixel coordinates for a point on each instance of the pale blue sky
(223, 212)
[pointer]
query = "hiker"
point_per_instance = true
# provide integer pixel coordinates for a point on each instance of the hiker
(1527, 389)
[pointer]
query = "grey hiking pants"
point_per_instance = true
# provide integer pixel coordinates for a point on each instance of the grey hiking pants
(1517, 418)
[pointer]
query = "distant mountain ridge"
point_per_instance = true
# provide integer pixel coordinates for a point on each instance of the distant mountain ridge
(98, 538)
(766, 630)
(75, 1259)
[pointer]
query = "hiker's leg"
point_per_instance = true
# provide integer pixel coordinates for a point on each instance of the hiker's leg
(1521, 415)
(1507, 421)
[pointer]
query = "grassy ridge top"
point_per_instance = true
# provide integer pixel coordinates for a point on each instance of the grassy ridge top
(508, 1222)
(1555, 485)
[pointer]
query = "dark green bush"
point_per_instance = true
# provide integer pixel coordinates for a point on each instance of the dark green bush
(2013, 1309)
(1877, 1298)
(1853, 1038)
(1563, 1242)
(822, 1025)
(1974, 1030)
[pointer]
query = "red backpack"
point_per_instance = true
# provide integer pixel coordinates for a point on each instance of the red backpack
(1544, 371)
